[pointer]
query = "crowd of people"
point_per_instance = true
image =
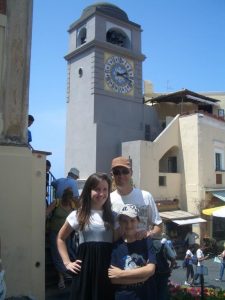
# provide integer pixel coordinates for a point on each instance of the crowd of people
(122, 252)
(194, 264)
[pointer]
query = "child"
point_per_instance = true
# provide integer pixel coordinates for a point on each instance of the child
(94, 221)
(133, 261)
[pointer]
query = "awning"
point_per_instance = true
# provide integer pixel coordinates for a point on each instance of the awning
(181, 217)
(210, 211)
(189, 221)
(176, 214)
(219, 194)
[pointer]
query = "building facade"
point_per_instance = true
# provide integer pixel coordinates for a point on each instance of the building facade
(186, 160)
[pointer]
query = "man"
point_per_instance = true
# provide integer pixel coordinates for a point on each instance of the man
(190, 239)
(165, 261)
(69, 182)
(125, 193)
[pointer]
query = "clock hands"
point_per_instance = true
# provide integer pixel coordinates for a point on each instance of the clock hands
(121, 74)
(124, 75)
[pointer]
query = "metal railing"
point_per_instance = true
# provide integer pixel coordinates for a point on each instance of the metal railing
(50, 191)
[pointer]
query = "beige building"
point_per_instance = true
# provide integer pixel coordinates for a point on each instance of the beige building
(186, 160)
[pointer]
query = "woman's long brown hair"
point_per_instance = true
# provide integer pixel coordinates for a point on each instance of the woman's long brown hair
(84, 212)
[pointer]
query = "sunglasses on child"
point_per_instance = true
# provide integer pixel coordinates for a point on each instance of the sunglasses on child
(120, 171)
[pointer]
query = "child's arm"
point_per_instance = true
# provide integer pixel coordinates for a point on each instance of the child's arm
(130, 276)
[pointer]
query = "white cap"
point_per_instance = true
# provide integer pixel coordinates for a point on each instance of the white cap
(163, 241)
(129, 210)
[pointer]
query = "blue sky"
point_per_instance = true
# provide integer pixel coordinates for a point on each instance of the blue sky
(183, 41)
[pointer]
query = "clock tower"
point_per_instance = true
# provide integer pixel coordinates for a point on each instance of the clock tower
(104, 91)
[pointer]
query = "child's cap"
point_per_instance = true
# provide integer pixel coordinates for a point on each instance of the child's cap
(129, 210)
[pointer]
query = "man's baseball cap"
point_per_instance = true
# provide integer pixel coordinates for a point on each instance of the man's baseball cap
(129, 210)
(121, 162)
(74, 171)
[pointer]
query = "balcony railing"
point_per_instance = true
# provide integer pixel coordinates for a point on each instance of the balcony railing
(50, 191)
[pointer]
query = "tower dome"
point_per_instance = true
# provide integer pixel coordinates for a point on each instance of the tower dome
(106, 8)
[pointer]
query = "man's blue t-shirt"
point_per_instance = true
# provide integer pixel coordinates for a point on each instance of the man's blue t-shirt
(130, 256)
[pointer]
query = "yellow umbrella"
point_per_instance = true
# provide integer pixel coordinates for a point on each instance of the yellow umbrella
(213, 211)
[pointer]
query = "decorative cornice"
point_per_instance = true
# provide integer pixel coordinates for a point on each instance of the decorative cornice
(105, 47)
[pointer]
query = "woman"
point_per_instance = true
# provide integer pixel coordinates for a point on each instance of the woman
(58, 210)
(133, 261)
(94, 222)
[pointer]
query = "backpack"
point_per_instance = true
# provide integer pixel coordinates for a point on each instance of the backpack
(162, 265)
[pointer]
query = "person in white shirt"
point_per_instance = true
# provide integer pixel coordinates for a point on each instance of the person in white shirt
(125, 193)
(201, 257)
(189, 267)
(190, 238)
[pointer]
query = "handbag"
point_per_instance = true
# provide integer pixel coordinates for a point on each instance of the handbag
(217, 259)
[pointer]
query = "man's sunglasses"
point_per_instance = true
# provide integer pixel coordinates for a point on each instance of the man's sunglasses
(117, 172)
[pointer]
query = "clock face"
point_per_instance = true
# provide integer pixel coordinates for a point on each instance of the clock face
(119, 74)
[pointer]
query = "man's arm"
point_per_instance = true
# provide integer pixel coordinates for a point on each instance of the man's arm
(156, 228)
